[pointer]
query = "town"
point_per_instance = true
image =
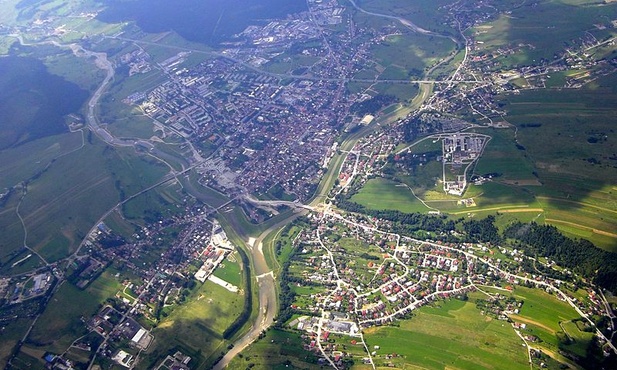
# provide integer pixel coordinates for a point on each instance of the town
(260, 120)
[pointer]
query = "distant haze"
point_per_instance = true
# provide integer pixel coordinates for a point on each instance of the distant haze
(204, 21)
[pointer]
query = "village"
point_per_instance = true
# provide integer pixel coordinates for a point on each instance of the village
(356, 275)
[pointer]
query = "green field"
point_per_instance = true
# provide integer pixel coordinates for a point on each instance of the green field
(106, 285)
(543, 28)
(382, 194)
(424, 13)
(544, 309)
(569, 184)
(59, 208)
(453, 335)
(80, 71)
(408, 56)
(277, 350)
(63, 318)
(62, 172)
(25, 161)
(11, 333)
(230, 270)
(578, 170)
(502, 156)
(196, 328)
(546, 317)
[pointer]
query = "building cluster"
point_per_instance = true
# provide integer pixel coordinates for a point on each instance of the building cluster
(265, 133)
(194, 253)
(459, 152)
(483, 77)
(359, 276)
(252, 129)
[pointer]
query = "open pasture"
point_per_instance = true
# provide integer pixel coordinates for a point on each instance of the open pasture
(454, 335)
(59, 209)
(382, 194)
(541, 29)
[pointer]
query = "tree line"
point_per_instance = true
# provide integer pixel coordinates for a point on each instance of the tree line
(580, 255)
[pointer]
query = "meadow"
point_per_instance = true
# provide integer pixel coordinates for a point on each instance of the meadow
(208, 22)
(452, 334)
(33, 102)
(542, 29)
(578, 170)
(12, 333)
(277, 350)
(196, 328)
(59, 209)
(409, 55)
(62, 317)
(382, 194)
(549, 319)
(569, 183)
(425, 13)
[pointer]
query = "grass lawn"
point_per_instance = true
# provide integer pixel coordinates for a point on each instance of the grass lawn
(454, 335)
(230, 270)
(106, 285)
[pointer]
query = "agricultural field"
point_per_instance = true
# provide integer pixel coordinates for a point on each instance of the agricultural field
(386, 194)
(11, 333)
(541, 29)
(555, 323)
(453, 334)
(426, 14)
(63, 318)
(568, 184)
(61, 172)
(577, 172)
(65, 189)
(408, 56)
